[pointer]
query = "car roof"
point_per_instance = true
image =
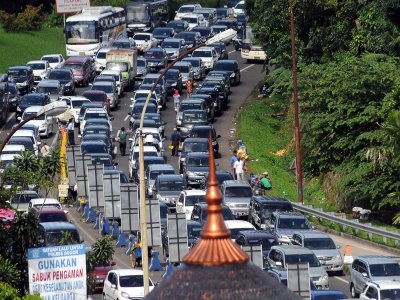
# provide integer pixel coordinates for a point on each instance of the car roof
(57, 225)
(5, 157)
(122, 272)
(19, 68)
(36, 62)
(76, 59)
(34, 108)
(377, 259)
(182, 63)
(270, 199)
(192, 100)
(193, 111)
(49, 82)
(204, 48)
(13, 147)
(238, 224)
(161, 167)
(172, 39)
(313, 234)
(146, 149)
(386, 284)
(256, 233)
(288, 214)
(236, 183)
(197, 154)
(45, 200)
(292, 249)
(194, 192)
(196, 140)
(102, 82)
(169, 177)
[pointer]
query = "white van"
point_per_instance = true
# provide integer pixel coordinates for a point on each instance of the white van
(43, 122)
(187, 199)
(37, 203)
(13, 149)
(235, 226)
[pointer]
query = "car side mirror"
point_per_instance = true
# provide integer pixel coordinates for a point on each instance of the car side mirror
(113, 286)
(364, 274)
(278, 264)
(195, 217)
(338, 247)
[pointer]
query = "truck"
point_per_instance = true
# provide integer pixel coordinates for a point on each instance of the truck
(125, 61)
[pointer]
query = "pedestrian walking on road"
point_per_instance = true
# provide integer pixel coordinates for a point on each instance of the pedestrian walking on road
(239, 168)
(122, 137)
(177, 100)
(189, 86)
(45, 150)
(175, 139)
(233, 160)
(71, 132)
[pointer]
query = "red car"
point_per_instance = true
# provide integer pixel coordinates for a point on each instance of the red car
(96, 96)
(51, 215)
(100, 275)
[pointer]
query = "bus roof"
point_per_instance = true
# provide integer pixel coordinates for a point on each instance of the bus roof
(94, 13)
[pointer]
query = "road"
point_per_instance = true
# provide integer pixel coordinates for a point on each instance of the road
(251, 75)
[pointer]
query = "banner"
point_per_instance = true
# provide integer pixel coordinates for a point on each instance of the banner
(58, 272)
(71, 6)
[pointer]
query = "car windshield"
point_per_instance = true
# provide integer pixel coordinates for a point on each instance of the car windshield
(51, 59)
(149, 80)
(195, 147)
(267, 210)
(226, 214)
(187, 106)
(392, 294)
(202, 132)
(73, 66)
(187, 36)
(162, 31)
(239, 6)
(104, 160)
(218, 29)
(101, 55)
(53, 90)
(141, 37)
(53, 217)
(194, 62)
(293, 223)
(198, 161)
(238, 191)
(235, 231)
(122, 45)
(60, 75)
(194, 231)
(154, 54)
(186, 9)
(220, 66)
(148, 153)
(32, 100)
(190, 20)
(37, 66)
(4, 164)
(303, 258)
(17, 73)
(93, 148)
(172, 75)
(54, 238)
(154, 174)
(321, 243)
(117, 66)
(131, 281)
(28, 144)
(202, 53)
(169, 45)
(27, 114)
(203, 31)
(389, 269)
(182, 69)
(194, 117)
(96, 115)
(23, 198)
(105, 88)
(241, 17)
(193, 199)
(78, 103)
(170, 185)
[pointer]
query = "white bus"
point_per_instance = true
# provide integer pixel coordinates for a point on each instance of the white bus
(93, 28)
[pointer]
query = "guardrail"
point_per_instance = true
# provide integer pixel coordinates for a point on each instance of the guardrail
(354, 223)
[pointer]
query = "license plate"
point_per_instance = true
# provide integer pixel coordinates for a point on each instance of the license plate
(256, 57)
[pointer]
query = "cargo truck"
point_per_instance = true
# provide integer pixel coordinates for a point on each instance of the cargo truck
(125, 61)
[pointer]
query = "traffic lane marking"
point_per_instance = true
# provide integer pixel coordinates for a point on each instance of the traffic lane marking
(127, 117)
(340, 279)
(248, 67)
(233, 51)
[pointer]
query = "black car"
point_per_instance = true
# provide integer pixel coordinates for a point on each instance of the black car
(214, 92)
(160, 92)
(209, 100)
(66, 78)
(199, 212)
(221, 177)
(97, 129)
(32, 99)
(178, 25)
(103, 158)
(191, 38)
(220, 47)
(23, 77)
(191, 145)
(173, 78)
(196, 168)
(231, 67)
(167, 189)
(222, 91)
(238, 40)
(190, 118)
(13, 96)
(203, 131)
(156, 58)
(205, 32)
(241, 20)
(229, 23)
(122, 176)
(103, 137)
(89, 147)
(161, 33)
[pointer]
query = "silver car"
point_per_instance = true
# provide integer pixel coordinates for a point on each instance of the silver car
(142, 67)
(280, 256)
(153, 171)
(199, 70)
(323, 247)
(237, 195)
(174, 47)
(186, 70)
(372, 268)
(110, 89)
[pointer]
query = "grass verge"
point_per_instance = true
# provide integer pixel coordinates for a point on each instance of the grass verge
(19, 48)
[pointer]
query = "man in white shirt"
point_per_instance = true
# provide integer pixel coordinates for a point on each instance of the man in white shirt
(239, 168)
(71, 130)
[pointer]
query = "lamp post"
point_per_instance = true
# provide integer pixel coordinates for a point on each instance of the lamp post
(142, 196)
(299, 171)
(51, 110)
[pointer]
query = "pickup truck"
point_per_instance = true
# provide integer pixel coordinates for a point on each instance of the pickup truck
(124, 60)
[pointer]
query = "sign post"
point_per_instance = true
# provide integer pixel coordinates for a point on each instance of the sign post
(153, 223)
(112, 196)
(177, 237)
(255, 254)
(68, 6)
(298, 279)
(95, 184)
(58, 272)
(129, 207)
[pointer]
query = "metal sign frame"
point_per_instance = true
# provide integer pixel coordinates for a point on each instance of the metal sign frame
(71, 153)
(129, 207)
(81, 162)
(298, 279)
(112, 196)
(255, 254)
(153, 223)
(95, 185)
(177, 237)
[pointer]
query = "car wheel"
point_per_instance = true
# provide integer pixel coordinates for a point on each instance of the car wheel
(353, 292)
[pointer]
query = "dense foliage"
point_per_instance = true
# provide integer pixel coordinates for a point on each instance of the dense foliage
(30, 19)
(326, 27)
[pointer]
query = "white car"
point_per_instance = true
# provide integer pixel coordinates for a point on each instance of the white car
(143, 94)
(187, 199)
(55, 60)
(37, 203)
(100, 59)
(194, 20)
(41, 69)
(13, 149)
(208, 55)
(43, 122)
(32, 136)
(133, 160)
(94, 113)
(145, 41)
(74, 104)
(382, 289)
(186, 9)
(119, 80)
(235, 226)
(6, 160)
(155, 132)
(124, 284)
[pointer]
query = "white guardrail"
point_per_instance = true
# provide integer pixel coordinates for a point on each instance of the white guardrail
(353, 223)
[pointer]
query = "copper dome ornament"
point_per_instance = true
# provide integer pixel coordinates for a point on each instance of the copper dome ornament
(217, 268)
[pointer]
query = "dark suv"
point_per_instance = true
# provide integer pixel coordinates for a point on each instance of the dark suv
(285, 224)
(23, 77)
(156, 58)
(199, 212)
(262, 207)
(32, 99)
(203, 131)
(66, 78)
(196, 168)
(231, 67)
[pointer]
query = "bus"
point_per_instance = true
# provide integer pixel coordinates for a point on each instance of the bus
(93, 28)
(145, 15)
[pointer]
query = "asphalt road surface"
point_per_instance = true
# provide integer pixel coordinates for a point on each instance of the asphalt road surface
(251, 75)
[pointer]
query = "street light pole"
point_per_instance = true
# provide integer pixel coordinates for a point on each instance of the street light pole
(299, 172)
(22, 123)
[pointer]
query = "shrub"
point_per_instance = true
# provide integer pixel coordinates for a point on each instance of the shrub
(30, 19)
(53, 19)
